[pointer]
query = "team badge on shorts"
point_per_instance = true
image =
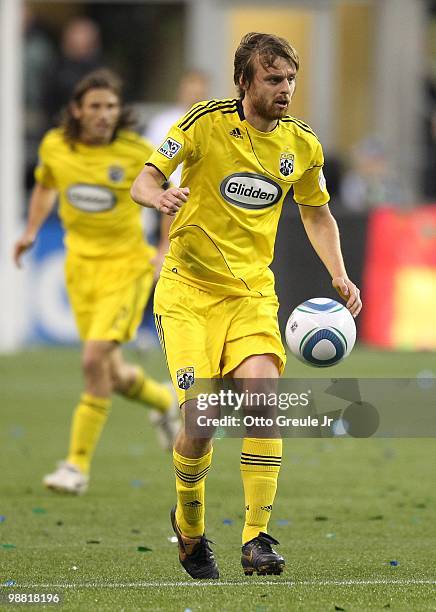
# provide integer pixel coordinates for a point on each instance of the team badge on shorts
(286, 164)
(185, 378)
(170, 148)
(116, 173)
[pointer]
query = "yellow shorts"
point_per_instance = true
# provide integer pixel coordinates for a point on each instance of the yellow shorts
(108, 296)
(207, 336)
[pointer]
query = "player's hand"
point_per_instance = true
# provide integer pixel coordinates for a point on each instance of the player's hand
(349, 293)
(171, 200)
(21, 246)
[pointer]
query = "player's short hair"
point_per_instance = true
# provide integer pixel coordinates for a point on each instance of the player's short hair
(103, 78)
(267, 47)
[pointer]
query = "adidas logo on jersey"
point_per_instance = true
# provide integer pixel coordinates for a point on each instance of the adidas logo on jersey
(236, 133)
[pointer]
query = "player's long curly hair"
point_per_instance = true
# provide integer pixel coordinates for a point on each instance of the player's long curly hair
(103, 78)
(267, 47)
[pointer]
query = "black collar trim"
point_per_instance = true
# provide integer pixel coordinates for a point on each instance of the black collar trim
(240, 110)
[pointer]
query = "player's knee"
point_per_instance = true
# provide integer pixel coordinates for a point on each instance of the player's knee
(255, 386)
(258, 368)
(118, 378)
(115, 378)
(94, 360)
(91, 364)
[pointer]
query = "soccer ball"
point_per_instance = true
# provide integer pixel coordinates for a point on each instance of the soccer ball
(320, 332)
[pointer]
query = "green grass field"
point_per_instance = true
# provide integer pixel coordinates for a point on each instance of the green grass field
(356, 518)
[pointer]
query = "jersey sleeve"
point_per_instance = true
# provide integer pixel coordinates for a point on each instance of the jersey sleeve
(185, 140)
(311, 189)
(43, 172)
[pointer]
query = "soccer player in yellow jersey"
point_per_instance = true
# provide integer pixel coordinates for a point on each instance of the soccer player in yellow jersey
(215, 305)
(90, 162)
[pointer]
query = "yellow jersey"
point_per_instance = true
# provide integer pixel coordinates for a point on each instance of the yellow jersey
(222, 239)
(97, 212)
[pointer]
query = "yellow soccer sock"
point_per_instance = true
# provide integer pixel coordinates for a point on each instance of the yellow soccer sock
(260, 466)
(148, 391)
(190, 480)
(88, 421)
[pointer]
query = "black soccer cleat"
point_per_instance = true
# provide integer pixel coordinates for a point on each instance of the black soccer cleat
(195, 554)
(259, 556)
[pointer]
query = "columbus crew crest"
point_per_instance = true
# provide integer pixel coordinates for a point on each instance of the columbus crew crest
(185, 378)
(286, 164)
(116, 173)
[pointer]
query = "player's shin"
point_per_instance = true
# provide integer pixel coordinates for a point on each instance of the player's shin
(260, 466)
(190, 486)
(88, 421)
(148, 391)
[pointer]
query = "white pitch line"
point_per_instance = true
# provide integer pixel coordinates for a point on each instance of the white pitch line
(219, 583)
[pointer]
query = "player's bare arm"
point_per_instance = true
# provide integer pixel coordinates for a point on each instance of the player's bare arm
(164, 243)
(147, 191)
(41, 204)
(322, 231)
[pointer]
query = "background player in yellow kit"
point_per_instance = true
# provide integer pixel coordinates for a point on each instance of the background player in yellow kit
(215, 304)
(90, 162)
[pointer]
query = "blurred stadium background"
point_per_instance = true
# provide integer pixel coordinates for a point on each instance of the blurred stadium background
(367, 87)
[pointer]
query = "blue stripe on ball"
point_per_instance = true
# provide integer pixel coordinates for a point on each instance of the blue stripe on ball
(321, 307)
(323, 334)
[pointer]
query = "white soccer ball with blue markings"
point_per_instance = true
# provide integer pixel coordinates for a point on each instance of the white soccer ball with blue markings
(320, 332)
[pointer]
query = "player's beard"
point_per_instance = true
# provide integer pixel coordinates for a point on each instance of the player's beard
(268, 110)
